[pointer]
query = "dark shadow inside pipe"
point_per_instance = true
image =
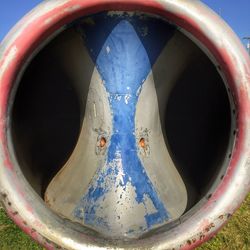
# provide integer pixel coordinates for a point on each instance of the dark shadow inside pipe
(46, 115)
(198, 124)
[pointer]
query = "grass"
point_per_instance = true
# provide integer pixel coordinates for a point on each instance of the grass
(234, 236)
(12, 238)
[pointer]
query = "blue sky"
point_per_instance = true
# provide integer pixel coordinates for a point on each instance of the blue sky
(235, 12)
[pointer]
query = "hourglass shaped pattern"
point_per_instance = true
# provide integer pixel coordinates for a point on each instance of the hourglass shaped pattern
(123, 62)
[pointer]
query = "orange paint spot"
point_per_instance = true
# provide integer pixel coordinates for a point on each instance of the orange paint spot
(103, 142)
(142, 143)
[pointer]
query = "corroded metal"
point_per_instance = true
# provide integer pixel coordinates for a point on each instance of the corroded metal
(214, 37)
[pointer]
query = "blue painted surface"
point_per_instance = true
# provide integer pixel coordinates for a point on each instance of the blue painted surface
(123, 49)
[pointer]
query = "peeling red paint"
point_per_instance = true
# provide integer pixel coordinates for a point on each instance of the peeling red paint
(245, 100)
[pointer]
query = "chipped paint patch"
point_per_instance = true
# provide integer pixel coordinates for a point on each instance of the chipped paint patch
(120, 13)
(142, 135)
(108, 49)
(65, 10)
(121, 199)
(7, 60)
(126, 98)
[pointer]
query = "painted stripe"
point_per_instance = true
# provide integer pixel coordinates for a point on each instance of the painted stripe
(124, 48)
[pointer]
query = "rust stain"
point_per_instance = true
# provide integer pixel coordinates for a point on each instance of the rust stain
(142, 143)
(103, 142)
(209, 227)
(3, 196)
(221, 217)
(202, 236)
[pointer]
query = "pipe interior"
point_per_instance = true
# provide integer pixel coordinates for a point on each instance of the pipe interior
(50, 100)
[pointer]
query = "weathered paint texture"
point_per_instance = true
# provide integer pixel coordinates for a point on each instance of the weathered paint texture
(124, 48)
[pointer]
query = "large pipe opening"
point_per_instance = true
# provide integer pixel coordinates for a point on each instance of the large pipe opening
(194, 107)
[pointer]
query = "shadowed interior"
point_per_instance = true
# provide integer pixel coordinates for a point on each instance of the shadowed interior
(50, 101)
(197, 122)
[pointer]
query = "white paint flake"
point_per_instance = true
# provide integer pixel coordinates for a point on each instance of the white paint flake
(126, 98)
(108, 49)
(7, 60)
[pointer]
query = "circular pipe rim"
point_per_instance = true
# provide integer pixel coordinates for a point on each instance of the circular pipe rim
(224, 49)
